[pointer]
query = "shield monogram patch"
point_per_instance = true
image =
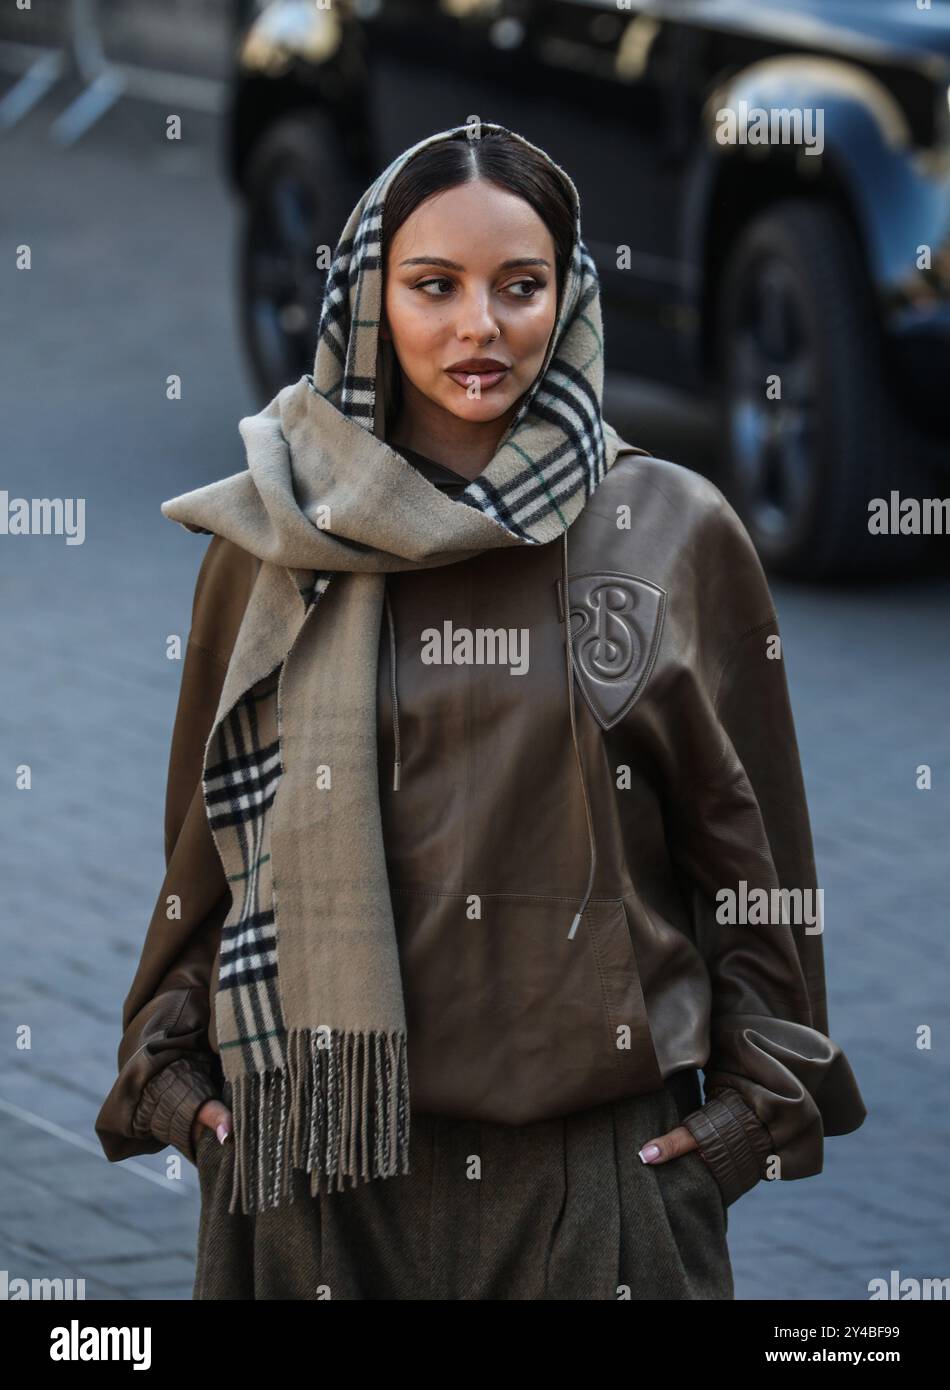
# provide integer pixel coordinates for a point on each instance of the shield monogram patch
(616, 621)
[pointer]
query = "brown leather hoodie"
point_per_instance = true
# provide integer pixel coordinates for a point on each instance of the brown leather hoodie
(664, 773)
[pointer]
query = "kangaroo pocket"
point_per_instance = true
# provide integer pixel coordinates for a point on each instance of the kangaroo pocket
(508, 1020)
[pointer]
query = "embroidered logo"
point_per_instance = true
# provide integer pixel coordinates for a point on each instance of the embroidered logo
(616, 621)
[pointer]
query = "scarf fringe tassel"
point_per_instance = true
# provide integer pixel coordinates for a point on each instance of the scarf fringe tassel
(339, 1109)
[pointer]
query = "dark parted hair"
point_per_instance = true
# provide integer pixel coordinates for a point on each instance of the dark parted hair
(496, 158)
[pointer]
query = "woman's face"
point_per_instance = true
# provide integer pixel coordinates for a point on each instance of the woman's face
(470, 284)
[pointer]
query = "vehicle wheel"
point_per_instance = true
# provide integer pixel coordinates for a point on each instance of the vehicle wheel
(299, 192)
(801, 470)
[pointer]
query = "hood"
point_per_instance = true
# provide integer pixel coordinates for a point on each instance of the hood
(318, 450)
(553, 455)
(356, 369)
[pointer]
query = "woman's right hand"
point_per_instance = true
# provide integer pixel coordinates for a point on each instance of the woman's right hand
(217, 1117)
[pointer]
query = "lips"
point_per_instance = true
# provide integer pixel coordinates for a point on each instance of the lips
(487, 371)
(478, 365)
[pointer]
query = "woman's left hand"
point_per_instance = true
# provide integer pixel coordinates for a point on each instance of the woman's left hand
(678, 1141)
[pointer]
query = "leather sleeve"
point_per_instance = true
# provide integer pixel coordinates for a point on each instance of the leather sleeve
(167, 1063)
(172, 1099)
(775, 1082)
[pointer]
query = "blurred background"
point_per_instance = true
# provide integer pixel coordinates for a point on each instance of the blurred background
(766, 192)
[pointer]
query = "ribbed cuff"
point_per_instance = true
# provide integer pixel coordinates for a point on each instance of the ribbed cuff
(733, 1141)
(169, 1103)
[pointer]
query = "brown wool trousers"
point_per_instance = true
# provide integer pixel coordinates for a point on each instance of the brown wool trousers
(562, 1209)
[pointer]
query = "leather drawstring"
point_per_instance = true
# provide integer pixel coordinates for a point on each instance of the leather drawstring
(566, 605)
(570, 700)
(392, 675)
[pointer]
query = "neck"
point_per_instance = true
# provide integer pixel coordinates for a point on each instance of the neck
(465, 446)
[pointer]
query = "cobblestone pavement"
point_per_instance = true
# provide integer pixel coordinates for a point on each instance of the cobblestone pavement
(132, 245)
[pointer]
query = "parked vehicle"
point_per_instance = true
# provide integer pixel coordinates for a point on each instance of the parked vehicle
(802, 281)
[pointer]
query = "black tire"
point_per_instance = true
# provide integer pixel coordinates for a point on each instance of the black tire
(793, 300)
(300, 190)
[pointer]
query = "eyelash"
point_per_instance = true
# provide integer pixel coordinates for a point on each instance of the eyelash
(444, 280)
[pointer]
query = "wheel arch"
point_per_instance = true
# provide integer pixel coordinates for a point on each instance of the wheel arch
(865, 146)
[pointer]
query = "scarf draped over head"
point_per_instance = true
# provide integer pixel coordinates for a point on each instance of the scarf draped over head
(309, 1008)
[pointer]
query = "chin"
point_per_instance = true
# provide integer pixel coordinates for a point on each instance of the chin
(482, 410)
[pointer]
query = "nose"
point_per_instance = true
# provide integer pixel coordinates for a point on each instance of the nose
(476, 321)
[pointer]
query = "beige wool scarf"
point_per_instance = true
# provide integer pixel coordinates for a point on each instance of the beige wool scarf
(309, 1009)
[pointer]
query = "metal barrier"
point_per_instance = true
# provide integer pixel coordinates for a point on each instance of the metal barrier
(72, 44)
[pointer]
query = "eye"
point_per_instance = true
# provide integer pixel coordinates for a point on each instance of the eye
(441, 280)
(533, 287)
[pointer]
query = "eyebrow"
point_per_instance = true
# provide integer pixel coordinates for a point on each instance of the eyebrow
(510, 264)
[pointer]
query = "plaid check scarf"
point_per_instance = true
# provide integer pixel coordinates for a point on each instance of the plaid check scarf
(309, 1007)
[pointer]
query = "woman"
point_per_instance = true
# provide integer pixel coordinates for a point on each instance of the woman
(454, 646)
